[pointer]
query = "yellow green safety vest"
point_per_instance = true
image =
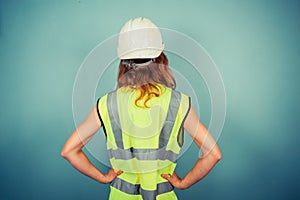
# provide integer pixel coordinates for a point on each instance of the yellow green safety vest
(143, 142)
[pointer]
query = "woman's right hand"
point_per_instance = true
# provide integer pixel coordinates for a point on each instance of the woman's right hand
(111, 175)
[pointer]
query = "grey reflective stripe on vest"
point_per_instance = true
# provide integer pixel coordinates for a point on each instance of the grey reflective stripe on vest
(136, 189)
(112, 107)
(143, 154)
(170, 119)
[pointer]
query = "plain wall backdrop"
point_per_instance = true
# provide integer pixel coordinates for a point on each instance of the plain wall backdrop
(255, 45)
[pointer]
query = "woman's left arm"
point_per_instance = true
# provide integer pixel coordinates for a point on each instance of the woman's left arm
(72, 150)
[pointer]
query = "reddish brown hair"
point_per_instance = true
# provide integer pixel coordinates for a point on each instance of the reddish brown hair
(145, 78)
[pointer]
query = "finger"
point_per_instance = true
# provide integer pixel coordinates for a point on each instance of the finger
(165, 176)
(119, 172)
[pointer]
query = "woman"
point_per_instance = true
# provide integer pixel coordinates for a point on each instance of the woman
(143, 120)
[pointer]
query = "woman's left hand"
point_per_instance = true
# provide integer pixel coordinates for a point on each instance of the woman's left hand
(174, 180)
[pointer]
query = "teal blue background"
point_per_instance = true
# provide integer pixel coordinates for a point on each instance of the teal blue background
(255, 45)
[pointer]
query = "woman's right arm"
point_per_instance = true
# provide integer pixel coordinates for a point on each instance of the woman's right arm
(210, 153)
(72, 150)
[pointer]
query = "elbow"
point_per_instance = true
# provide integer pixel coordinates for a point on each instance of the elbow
(217, 155)
(64, 153)
(69, 154)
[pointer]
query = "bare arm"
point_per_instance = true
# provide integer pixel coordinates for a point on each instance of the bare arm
(72, 150)
(210, 153)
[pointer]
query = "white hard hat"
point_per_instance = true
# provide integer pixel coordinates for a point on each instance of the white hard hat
(139, 38)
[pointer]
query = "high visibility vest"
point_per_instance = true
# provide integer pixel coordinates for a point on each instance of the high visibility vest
(143, 142)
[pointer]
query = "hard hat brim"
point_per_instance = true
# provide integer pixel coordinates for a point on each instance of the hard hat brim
(142, 53)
